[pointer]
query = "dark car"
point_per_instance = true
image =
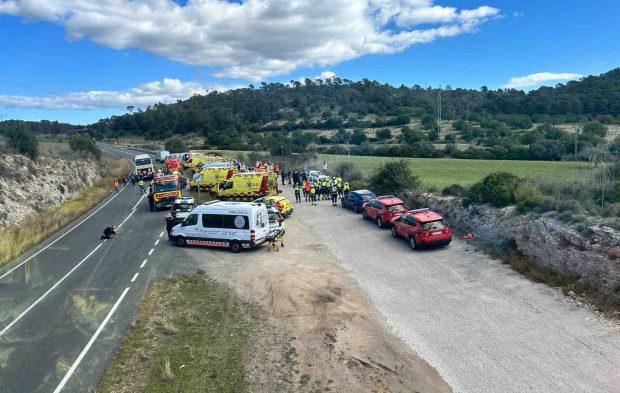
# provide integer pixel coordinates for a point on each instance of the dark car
(356, 199)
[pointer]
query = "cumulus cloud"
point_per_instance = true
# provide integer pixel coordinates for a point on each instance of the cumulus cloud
(539, 78)
(167, 90)
(255, 39)
(326, 75)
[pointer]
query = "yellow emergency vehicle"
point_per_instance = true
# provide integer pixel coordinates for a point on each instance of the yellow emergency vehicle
(284, 206)
(208, 178)
(165, 189)
(247, 186)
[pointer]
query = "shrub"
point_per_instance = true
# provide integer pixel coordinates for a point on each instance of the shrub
(175, 145)
(454, 189)
(348, 171)
(394, 177)
(497, 189)
(83, 143)
(21, 141)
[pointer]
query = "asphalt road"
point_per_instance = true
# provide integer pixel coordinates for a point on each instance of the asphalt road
(65, 305)
(484, 327)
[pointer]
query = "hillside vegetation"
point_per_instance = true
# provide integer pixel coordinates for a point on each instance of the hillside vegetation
(369, 118)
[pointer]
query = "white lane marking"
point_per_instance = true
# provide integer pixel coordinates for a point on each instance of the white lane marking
(137, 203)
(134, 277)
(151, 252)
(157, 242)
(143, 263)
(126, 218)
(48, 292)
(60, 237)
(80, 357)
(161, 234)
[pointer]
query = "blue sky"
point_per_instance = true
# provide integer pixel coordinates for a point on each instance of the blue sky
(51, 64)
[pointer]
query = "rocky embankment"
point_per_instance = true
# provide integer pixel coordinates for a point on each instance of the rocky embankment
(28, 187)
(588, 253)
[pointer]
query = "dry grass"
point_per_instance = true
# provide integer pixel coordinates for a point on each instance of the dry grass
(35, 228)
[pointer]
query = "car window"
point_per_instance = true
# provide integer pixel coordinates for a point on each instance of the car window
(192, 219)
(367, 196)
(439, 224)
(395, 207)
(410, 221)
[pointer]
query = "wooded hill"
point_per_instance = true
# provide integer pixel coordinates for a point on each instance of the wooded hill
(396, 120)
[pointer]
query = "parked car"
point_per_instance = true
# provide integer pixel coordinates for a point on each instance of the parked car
(422, 227)
(356, 199)
(383, 209)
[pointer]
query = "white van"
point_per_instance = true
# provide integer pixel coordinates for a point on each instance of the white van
(163, 155)
(235, 225)
(144, 166)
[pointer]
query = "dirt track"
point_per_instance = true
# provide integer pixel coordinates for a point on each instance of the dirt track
(325, 334)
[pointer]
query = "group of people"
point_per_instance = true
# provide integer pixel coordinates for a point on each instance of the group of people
(323, 187)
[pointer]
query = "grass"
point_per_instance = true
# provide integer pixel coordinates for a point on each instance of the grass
(442, 172)
(190, 335)
(35, 228)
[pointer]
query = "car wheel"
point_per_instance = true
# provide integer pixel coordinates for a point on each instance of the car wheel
(180, 241)
(379, 223)
(235, 247)
(394, 234)
(413, 243)
(342, 202)
(355, 209)
(364, 215)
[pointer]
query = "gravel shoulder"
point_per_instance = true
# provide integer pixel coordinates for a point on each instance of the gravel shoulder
(484, 327)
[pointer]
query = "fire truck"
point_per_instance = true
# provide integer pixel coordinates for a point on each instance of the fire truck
(165, 189)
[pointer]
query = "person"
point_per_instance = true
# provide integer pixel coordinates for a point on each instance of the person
(290, 176)
(133, 179)
(141, 185)
(283, 177)
(346, 189)
(297, 189)
(116, 185)
(108, 232)
(325, 167)
(313, 195)
(151, 199)
(334, 193)
(306, 189)
(339, 185)
(324, 188)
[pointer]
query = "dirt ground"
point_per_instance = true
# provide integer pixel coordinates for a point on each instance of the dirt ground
(323, 333)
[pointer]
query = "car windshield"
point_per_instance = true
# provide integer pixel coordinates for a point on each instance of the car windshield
(366, 196)
(143, 161)
(166, 186)
(183, 207)
(439, 224)
(394, 208)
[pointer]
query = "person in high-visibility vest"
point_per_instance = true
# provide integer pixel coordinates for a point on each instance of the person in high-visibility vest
(141, 184)
(297, 189)
(346, 189)
(339, 185)
(313, 195)
(334, 193)
(306, 190)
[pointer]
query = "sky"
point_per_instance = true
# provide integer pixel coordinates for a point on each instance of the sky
(78, 61)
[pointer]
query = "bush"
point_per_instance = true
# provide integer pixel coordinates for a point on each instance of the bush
(83, 143)
(393, 177)
(498, 189)
(175, 145)
(348, 171)
(454, 190)
(23, 142)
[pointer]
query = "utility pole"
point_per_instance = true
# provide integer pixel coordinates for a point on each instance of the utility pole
(439, 112)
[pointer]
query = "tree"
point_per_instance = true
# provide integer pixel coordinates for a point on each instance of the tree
(384, 134)
(358, 137)
(394, 177)
(175, 145)
(342, 136)
(23, 142)
(84, 143)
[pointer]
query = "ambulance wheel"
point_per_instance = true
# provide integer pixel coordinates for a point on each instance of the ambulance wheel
(180, 241)
(235, 247)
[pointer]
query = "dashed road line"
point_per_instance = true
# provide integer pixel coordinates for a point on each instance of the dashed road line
(80, 357)
(143, 263)
(47, 292)
(161, 234)
(151, 252)
(157, 242)
(134, 277)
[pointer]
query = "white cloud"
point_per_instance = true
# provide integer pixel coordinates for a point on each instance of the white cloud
(538, 79)
(168, 90)
(518, 14)
(326, 75)
(255, 39)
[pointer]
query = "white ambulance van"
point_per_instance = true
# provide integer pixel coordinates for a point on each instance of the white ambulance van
(234, 225)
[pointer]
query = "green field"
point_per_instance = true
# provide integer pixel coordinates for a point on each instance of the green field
(442, 172)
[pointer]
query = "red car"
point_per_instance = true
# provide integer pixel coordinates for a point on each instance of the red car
(383, 209)
(422, 227)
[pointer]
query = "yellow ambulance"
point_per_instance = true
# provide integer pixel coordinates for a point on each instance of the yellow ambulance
(209, 177)
(247, 186)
